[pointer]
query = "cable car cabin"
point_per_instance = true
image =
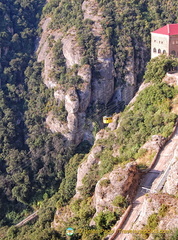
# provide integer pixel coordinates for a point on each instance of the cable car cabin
(107, 119)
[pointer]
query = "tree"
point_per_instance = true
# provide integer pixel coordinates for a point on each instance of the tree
(158, 66)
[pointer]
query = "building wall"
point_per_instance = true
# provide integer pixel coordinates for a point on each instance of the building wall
(173, 45)
(164, 44)
(159, 44)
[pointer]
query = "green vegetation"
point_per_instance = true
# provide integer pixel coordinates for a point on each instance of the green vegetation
(58, 109)
(158, 67)
(107, 161)
(151, 115)
(67, 187)
(163, 210)
(128, 25)
(152, 223)
(89, 181)
(64, 15)
(105, 220)
(36, 166)
(120, 201)
(105, 182)
(171, 235)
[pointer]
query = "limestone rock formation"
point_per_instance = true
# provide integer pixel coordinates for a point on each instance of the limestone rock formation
(62, 215)
(71, 50)
(97, 81)
(152, 204)
(171, 184)
(86, 166)
(155, 143)
(121, 181)
(103, 84)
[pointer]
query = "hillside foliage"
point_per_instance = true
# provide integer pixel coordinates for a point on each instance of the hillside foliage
(36, 166)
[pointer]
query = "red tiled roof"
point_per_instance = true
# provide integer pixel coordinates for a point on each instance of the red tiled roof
(169, 29)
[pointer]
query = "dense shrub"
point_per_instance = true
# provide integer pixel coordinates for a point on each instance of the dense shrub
(105, 220)
(157, 68)
(120, 201)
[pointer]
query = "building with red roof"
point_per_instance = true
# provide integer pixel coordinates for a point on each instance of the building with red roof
(165, 41)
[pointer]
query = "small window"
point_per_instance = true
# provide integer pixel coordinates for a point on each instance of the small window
(154, 49)
(159, 50)
(164, 51)
(155, 40)
(173, 53)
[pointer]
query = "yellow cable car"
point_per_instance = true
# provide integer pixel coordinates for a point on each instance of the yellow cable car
(107, 119)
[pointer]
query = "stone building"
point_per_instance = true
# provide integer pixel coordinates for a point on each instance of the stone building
(165, 41)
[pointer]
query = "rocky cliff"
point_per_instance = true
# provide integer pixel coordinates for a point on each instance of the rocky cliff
(87, 84)
(122, 182)
(97, 80)
(164, 206)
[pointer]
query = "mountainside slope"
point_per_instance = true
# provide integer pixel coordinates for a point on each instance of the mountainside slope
(110, 195)
(158, 178)
(64, 65)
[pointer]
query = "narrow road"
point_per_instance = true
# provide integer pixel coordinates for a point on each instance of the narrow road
(27, 219)
(166, 157)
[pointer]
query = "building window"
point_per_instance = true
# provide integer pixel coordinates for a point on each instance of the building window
(159, 50)
(173, 53)
(154, 49)
(173, 42)
(155, 40)
(164, 51)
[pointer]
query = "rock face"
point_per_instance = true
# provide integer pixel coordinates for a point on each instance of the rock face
(171, 184)
(97, 81)
(44, 53)
(86, 166)
(120, 182)
(71, 50)
(152, 204)
(155, 143)
(75, 100)
(62, 215)
(103, 84)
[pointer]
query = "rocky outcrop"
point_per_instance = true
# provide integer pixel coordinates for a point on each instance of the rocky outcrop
(62, 216)
(91, 89)
(171, 78)
(86, 166)
(84, 92)
(44, 53)
(73, 53)
(129, 89)
(54, 124)
(76, 100)
(97, 81)
(156, 143)
(152, 204)
(122, 181)
(103, 84)
(171, 184)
